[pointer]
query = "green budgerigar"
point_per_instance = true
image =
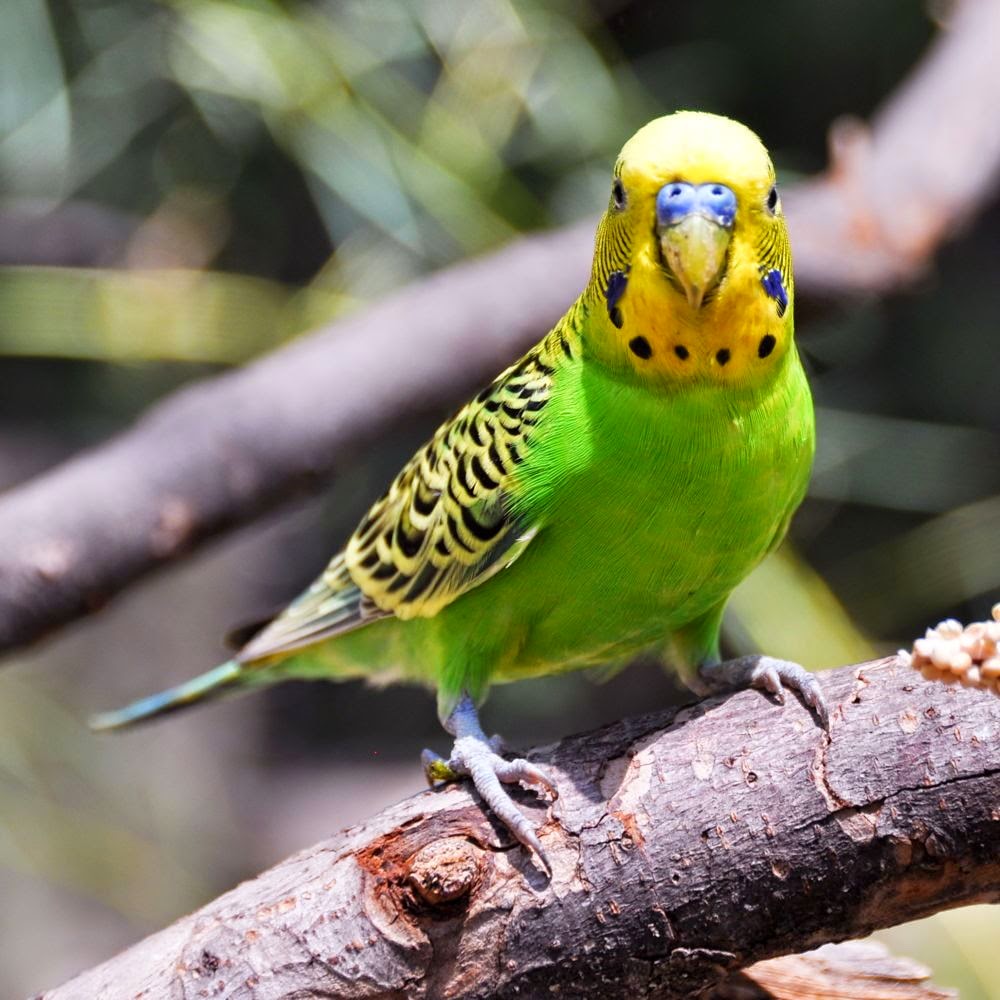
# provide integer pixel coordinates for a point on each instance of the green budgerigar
(604, 495)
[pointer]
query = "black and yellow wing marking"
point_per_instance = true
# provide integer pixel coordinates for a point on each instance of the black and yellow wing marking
(445, 524)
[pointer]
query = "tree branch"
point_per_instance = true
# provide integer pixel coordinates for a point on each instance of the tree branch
(685, 845)
(217, 454)
(896, 190)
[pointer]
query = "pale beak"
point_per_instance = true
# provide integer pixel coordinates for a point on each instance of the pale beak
(695, 226)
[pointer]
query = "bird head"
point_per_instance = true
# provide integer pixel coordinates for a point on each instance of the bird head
(692, 270)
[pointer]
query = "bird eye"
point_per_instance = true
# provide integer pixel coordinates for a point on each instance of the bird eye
(618, 194)
(772, 200)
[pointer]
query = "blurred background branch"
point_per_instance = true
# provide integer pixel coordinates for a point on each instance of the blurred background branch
(911, 179)
(186, 185)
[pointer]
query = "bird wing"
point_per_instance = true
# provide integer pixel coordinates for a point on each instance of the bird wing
(444, 526)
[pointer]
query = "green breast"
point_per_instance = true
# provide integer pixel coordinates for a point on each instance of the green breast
(654, 508)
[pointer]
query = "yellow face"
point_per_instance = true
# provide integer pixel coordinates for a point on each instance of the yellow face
(692, 273)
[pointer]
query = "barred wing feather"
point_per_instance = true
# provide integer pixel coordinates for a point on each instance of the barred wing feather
(443, 526)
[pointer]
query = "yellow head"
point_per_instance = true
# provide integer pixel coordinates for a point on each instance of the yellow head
(692, 277)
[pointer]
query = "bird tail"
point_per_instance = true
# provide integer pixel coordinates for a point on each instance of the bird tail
(208, 685)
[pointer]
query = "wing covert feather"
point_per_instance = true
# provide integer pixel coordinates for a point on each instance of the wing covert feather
(444, 525)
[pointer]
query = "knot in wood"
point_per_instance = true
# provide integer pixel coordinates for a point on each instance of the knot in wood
(445, 870)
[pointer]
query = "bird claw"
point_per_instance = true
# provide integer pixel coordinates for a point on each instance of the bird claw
(475, 758)
(775, 676)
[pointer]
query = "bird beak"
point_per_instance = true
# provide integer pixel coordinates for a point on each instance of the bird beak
(694, 226)
(695, 251)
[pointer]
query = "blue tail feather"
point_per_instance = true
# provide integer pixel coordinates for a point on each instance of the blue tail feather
(207, 684)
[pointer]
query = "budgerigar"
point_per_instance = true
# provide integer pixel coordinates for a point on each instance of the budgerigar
(604, 495)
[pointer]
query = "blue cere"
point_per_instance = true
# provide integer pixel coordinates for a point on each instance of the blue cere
(720, 201)
(674, 201)
(775, 287)
(678, 199)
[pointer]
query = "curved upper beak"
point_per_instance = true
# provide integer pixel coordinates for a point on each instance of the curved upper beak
(694, 225)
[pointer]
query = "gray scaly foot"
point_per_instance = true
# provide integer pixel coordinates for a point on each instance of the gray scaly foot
(476, 757)
(768, 674)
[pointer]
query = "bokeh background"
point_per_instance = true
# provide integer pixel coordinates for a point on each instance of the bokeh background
(188, 183)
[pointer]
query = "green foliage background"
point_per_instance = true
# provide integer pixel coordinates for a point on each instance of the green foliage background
(188, 183)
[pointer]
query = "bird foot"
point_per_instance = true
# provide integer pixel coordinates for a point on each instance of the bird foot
(473, 756)
(772, 675)
(438, 770)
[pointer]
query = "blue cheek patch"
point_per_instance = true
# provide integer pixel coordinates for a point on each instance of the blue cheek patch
(775, 287)
(617, 281)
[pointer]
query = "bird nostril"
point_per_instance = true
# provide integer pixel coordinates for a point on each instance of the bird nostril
(716, 190)
(675, 192)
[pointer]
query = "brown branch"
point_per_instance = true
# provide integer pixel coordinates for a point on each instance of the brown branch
(897, 189)
(215, 455)
(685, 845)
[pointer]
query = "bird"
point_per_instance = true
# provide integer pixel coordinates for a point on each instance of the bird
(602, 497)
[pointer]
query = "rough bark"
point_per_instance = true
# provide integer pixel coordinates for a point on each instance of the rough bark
(685, 845)
(215, 455)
